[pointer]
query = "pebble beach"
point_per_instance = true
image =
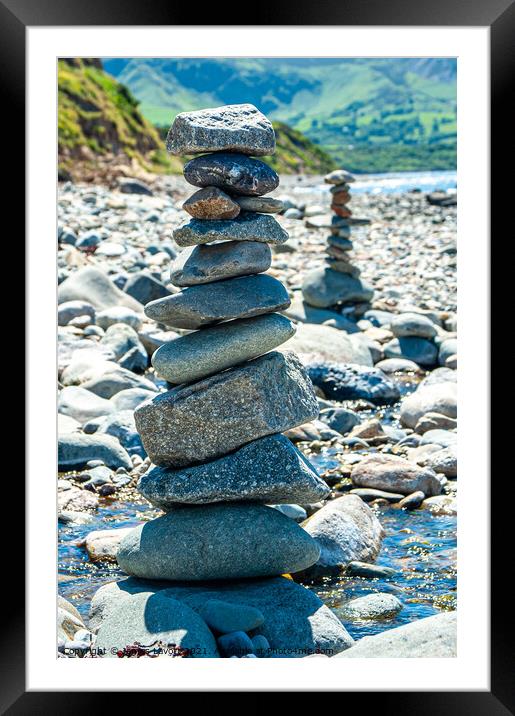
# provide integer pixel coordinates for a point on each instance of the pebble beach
(369, 545)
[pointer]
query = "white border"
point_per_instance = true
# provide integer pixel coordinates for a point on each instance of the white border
(471, 669)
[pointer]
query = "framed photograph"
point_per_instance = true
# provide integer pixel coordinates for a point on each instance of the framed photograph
(242, 359)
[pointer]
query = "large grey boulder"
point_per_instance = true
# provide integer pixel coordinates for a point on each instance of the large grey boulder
(202, 353)
(246, 227)
(231, 128)
(429, 398)
(155, 620)
(395, 474)
(324, 287)
(346, 529)
(429, 638)
(269, 470)
(215, 262)
(296, 623)
(76, 449)
(223, 541)
(204, 420)
(94, 286)
(221, 301)
(235, 173)
(315, 344)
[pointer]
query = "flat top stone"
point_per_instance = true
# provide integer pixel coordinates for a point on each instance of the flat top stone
(224, 541)
(220, 301)
(206, 263)
(245, 227)
(202, 353)
(235, 173)
(269, 470)
(339, 176)
(231, 128)
(205, 420)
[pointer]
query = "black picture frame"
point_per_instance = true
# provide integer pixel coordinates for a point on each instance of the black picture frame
(499, 16)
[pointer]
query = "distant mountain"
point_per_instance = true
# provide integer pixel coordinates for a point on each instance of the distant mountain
(369, 114)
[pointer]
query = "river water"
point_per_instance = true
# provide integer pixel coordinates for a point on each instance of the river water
(420, 546)
(388, 183)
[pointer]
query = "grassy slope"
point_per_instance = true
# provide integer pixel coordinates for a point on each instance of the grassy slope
(99, 118)
(371, 115)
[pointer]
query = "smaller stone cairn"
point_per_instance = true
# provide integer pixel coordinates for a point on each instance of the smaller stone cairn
(219, 458)
(338, 282)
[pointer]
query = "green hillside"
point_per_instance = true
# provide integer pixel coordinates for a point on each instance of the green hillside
(383, 114)
(99, 122)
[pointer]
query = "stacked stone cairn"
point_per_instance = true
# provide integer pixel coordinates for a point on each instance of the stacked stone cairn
(338, 282)
(219, 458)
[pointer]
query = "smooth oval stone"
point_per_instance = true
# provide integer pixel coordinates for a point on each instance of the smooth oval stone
(76, 449)
(215, 262)
(152, 618)
(208, 419)
(235, 173)
(263, 204)
(269, 470)
(220, 301)
(324, 287)
(197, 355)
(394, 474)
(346, 529)
(227, 617)
(412, 324)
(211, 203)
(217, 542)
(339, 176)
(419, 350)
(431, 637)
(246, 227)
(344, 381)
(372, 606)
(231, 128)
